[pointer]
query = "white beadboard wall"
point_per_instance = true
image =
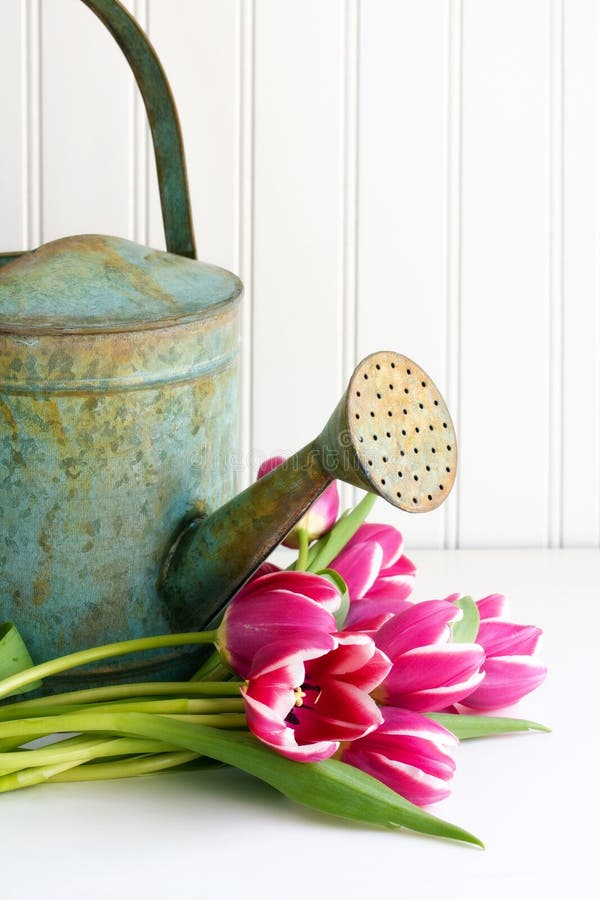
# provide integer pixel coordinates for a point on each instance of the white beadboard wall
(418, 175)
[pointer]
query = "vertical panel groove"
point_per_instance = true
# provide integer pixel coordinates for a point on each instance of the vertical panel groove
(556, 270)
(33, 125)
(349, 197)
(245, 237)
(453, 241)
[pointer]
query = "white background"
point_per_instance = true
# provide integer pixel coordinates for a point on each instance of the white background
(383, 174)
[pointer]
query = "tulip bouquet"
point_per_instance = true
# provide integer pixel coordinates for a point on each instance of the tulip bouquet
(328, 682)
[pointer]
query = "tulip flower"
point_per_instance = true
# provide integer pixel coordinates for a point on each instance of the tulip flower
(379, 577)
(409, 753)
(272, 607)
(307, 693)
(428, 673)
(510, 668)
(321, 515)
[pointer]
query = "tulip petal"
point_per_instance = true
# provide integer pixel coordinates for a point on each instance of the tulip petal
(339, 711)
(435, 666)
(409, 781)
(507, 679)
(271, 730)
(492, 606)
(501, 638)
(359, 566)
(297, 649)
(419, 625)
(389, 539)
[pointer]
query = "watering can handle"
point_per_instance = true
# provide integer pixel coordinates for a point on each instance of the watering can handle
(164, 125)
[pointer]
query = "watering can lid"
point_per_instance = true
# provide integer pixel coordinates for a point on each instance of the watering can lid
(93, 283)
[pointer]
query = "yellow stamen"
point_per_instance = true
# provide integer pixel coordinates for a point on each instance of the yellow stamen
(299, 694)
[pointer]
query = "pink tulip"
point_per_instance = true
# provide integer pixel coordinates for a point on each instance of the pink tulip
(510, 669)
(272, 607)
(321, 515)
(409, 753)
(307, 693)
(378, 575)
(428, 673)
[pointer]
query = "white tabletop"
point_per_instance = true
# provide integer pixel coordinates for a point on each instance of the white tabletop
(533, 798)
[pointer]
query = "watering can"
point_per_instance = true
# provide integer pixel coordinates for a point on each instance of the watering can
(119, 422)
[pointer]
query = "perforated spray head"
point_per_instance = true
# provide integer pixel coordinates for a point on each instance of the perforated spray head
(390, 434)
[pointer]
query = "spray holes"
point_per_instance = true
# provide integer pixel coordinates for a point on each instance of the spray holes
(377, 366)
(435, 403)
(415, 500)
(408, 371)
(372, 414)
(391, 387)
(423, 384)
(405, 411)
(399, 474)
(416, 477)
(388, 434)
(360, 440)
(441, 487)
(358, 393)
(379, 396)
(393, 365)
(383, 480)
(399, 495)
(384, 458)
(433, 449)
(448, 447)
(370, 461)
(431, 427)
(389, 412)
(366, 377)
(428, 468)
(444, 424)
(447, 468)
(402, 453)
(404, 432)
(429, 497)
(416, 450)
(374, 437)
(420, 406)
(417, 430)
(356, 416)
(406, 390)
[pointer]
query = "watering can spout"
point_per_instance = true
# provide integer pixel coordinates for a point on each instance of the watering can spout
(390, 434)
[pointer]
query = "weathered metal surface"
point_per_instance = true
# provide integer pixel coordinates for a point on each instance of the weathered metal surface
(118, 421)
(391, 428)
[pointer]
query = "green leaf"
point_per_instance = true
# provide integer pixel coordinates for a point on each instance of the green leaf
(330, 786)
(338, 582)
(465, 630)
(466, 727)
(14, 656)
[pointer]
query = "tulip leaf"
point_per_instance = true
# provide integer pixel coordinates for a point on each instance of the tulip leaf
(336, 579)
(467, 726)
(14, 656)
(465, 630)
(331, 786)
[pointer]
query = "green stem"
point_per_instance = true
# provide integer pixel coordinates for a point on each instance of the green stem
(302, 561)
(328, 547)
(29, 777)
(212, 670)
(83, 657)
(126, 768)
(54, 703)
(87, 749)
(178, 705)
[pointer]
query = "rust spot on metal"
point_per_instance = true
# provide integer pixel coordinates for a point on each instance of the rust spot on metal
(7, 413)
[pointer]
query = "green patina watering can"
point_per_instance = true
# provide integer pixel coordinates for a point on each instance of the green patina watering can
(119, 422)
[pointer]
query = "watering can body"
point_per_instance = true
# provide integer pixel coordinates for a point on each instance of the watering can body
(118, 414)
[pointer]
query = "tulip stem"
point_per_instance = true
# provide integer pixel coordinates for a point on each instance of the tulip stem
(302, 561)
(126, 768)
(327, 548)
(83, 657)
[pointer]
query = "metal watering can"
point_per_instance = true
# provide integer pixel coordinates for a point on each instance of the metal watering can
(119, 421)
